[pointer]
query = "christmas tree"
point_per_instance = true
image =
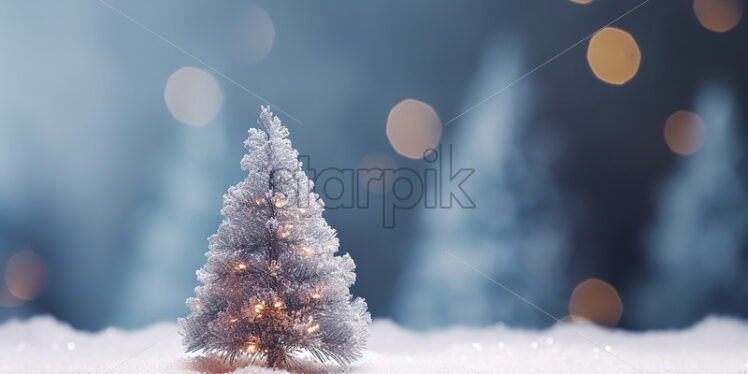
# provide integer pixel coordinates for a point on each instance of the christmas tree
(272, 285)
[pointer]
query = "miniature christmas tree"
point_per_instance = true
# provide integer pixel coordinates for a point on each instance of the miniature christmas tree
(272, 286)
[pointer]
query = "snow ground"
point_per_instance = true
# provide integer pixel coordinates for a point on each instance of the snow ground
(716, 345)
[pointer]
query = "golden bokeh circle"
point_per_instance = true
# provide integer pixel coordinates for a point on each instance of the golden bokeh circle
(256, 34)
(613, 55)
(685, 132)
(25, 275)
(596, 301)
(413, 128)
(193, 96)
(718, 15)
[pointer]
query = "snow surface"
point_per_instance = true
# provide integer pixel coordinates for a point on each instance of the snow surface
(716, 345)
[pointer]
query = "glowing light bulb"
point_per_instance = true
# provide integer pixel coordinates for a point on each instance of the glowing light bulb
(278, 304)
(305, 249)
(312, 328)
(251, 347)
(316, 296)
(285, 231)
(241, 266)
(259, 307)
(233, 320)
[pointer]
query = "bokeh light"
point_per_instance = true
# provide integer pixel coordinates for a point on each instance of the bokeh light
(596, 301)
(718, 15)
(256, 35)
(25, 275)
(684, 132)
(613, 56)
(581, 1)
(413, 127)
(371, 169)
(193, 96)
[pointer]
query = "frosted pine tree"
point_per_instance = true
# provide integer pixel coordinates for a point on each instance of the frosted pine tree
(272, 286)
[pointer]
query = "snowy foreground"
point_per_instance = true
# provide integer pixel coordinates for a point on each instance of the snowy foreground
(43, 345)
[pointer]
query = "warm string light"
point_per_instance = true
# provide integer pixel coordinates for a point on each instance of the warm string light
(252, 347)
(305, 249)
(313, 328)
(240, 266)
(317, 293)
(259, 201)
(259, 308)
(285, 232)
(280, 203)
(233, 320)
(302, 211)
